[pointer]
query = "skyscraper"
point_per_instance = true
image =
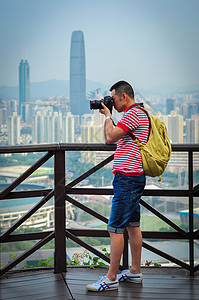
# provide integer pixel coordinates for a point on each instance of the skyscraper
(14, 129)
(24, 84)
(78, 103)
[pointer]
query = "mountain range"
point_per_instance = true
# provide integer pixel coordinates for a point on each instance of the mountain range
(47, 89)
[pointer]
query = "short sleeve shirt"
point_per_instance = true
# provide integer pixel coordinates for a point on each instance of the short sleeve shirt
(127, 158)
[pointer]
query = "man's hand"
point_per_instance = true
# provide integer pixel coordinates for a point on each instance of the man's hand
(105, 111)
(111, 134)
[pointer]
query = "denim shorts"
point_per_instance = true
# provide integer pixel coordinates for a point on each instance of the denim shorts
(125, 210)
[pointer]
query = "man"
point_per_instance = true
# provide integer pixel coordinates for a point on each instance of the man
(128, 185)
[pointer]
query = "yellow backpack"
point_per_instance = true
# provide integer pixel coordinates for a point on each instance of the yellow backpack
(157, 151)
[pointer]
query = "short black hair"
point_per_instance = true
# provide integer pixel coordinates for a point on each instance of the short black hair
(123, 87)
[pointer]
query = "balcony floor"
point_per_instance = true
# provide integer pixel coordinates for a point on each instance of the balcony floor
(158, 283)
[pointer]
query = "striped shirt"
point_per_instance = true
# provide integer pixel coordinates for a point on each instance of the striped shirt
(127, 158)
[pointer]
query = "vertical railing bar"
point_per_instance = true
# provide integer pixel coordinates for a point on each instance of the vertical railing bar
(125, 251)
(60, 212)
(191, 231)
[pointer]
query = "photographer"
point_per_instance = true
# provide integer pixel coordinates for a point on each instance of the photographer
(128, 184)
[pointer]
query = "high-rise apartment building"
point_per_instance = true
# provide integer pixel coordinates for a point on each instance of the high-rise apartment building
(56, 127)
(38, 128)
(184, 110)
(12, 106)
(24, 85)
(46, 127)
(14, 129)
(48, 133)
(92, 131)
(78, 103)
(170, 105)
(192, 130)
(3, 116)
(192, 110)
(68, 128)
(175, 128)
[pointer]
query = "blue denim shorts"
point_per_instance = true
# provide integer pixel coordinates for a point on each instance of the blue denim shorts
(125, 210)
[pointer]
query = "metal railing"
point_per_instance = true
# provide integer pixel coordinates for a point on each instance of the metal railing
(62, 193)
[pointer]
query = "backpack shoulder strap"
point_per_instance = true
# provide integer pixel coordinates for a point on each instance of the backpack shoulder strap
(141, 106)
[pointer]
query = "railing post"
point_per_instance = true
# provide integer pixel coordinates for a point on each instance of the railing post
(60, 212)
(125, 252)
(191, 229)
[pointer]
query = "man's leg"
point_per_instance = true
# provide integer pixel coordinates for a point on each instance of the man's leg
(117, 246)
(135, 238)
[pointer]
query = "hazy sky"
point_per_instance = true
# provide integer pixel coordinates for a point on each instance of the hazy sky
(146, 42)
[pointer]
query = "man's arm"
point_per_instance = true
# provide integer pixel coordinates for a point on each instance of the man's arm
(111, 133)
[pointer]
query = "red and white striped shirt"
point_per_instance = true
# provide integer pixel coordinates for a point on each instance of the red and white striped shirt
(127, 158)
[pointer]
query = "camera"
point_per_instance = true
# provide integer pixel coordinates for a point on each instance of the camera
(96, 104)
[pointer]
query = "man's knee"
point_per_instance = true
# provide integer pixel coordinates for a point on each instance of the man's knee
(115, 234)
(133, 230)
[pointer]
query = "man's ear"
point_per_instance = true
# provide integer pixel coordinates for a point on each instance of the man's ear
(124, 95)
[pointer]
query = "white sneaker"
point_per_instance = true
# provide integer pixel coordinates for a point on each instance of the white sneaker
(127, 275)
(103, 284)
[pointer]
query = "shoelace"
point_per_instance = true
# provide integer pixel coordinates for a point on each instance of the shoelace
(124, 271)
(101, 279)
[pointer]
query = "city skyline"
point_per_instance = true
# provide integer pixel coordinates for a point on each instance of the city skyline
(147, 43)
(50, 121)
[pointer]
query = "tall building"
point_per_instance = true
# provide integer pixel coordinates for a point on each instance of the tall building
(38, 128)
(48, 138)
(192, 131)
(192, 110)
(170, 105)
(24, 85)
(78, 103)
(3, 116)
(184, 110)
(56, 127)
(175, 128)
(12, 106)
(46, 126)
(92, 131)
(68, 128)
(14, 129)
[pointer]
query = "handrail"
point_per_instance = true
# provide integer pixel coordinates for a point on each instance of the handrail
(61, 193)
(82, 147)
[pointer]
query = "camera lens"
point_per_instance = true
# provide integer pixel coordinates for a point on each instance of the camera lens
(95, 104)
